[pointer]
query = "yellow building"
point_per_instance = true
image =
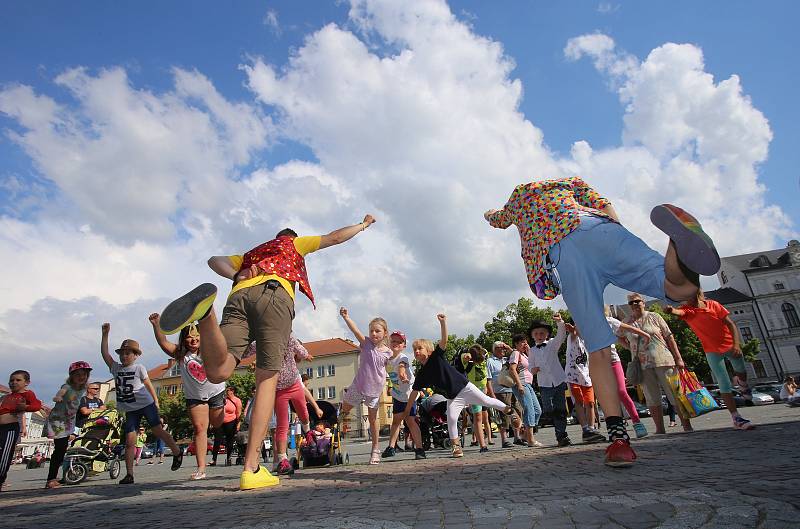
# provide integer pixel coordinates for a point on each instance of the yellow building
(332, 369)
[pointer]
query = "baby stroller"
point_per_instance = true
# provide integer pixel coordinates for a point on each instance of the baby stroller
(432, 412)
(95, 451)
(330, 453)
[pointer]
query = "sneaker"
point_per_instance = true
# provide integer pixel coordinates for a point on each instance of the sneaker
(483, 450)
(590, 437)
(419, 453)
(177, 461)
(519, 442)
(535, 444)
(640, 429)
(694, 247)
(740, 423)
(285, 468)
(127, 480)
(507, 444)
(194, 476)
(620, 454)
(564, 441)
(389, 452)
(457, 452)
(188, 308)
(149, 462)
(258, 479)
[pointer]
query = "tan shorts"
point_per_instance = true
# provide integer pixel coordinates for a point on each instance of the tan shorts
(262, 313)
(654, 382)
(509, 400)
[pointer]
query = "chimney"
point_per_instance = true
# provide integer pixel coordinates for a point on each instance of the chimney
(794, 252)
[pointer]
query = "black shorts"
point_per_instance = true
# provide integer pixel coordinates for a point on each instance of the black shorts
(217, 401)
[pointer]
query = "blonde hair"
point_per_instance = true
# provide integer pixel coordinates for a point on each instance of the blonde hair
(425, 344)
(382, 323)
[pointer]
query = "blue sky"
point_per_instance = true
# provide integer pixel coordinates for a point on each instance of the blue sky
(139, 138)
(565, 99)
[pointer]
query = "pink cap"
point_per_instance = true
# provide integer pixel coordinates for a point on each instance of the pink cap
(398, 333)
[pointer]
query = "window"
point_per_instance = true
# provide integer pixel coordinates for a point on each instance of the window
(331, 392)
(320, 393)
(723, 277)
(310, 372)
(779, 285)
(790, 314)
(331, 370)
(175, 370)
(320, 371)
(747, 334)
(758, 367)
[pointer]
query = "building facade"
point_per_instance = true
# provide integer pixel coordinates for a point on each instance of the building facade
(767, 306)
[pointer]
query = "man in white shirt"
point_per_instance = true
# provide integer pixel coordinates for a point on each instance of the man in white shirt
(550, 373)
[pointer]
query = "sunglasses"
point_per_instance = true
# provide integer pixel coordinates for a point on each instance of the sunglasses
(634, 302)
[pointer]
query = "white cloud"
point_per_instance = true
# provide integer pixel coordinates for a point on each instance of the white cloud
(271, 21)
(604, 8)
(411, 116)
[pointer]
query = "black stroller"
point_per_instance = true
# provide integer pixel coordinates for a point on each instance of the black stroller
(332, 452)
(432, 412)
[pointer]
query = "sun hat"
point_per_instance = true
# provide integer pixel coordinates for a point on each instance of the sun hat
(133, 345)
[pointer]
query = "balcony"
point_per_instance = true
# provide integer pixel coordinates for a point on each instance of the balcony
(784, 332)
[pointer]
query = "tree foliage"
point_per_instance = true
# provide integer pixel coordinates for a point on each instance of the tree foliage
(175, 414)
(244, 385)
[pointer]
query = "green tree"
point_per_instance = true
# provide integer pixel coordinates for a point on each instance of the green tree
(175, 414)
(515, 319)
(688, 344)
(244, 385)
(456, 344)
(751, 349)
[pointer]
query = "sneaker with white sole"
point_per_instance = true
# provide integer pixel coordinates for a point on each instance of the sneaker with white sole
(190, 307)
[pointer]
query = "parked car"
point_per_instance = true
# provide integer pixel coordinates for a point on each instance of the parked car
(718, 397)
(148, 451)
(641, 409)
(759, 399)
(772, 389)
(209, 448)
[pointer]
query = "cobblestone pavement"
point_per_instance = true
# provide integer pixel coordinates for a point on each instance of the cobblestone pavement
(713, 478)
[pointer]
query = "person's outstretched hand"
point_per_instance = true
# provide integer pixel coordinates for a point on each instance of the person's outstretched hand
(368, 220)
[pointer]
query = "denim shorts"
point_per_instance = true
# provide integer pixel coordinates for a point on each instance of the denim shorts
(133, 418)
(217, 401)
(596, 254)
(398, 406)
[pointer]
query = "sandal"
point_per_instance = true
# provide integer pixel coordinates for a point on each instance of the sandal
(197, 475)
(52, 484)
(457, 452)
(375, 459)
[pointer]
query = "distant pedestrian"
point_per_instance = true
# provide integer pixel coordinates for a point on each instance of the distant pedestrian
(580, 386)
(230, 425)
(494, 366)
(550, 373)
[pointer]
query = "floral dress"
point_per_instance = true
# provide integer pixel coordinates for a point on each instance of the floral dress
(61, 421)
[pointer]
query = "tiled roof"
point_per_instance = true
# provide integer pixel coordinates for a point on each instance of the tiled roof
(727, 295)
(4, 389)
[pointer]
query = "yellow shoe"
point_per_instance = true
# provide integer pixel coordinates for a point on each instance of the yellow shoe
(257, 480)
(188, 308)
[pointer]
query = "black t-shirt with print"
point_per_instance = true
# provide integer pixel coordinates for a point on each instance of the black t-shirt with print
(86, 402)
(438, 373)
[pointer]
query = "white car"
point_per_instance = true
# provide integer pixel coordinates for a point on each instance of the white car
(759, 399)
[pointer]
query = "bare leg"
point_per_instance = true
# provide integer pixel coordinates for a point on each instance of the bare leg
(730, 403)
(162, 434)
(397, 421)
(373, 428)
(217, 362)
(676, 285)
(130, 451)
(199, 416)
(477, 428)
(413, 427)
(263, 406)
(657, 413)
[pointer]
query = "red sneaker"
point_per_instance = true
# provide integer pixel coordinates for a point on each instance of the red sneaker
(620, 454)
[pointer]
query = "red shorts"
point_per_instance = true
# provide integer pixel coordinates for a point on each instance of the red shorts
(582, 394)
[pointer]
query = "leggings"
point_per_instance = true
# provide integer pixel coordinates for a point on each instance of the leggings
(716, 361)
(9, 435)
(57, 457)
(296, 394)
(469, 395)
(228, 430)
(622, 390)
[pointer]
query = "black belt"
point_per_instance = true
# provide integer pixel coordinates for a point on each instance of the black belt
(273, 284)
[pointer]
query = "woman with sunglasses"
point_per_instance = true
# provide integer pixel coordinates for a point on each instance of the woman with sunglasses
(659, 358)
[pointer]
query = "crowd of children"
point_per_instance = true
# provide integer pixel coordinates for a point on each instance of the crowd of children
(566, 230)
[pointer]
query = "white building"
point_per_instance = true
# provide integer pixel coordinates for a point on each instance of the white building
(762, 291)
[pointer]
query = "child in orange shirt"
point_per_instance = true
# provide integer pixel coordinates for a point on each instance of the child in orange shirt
(720, 338)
